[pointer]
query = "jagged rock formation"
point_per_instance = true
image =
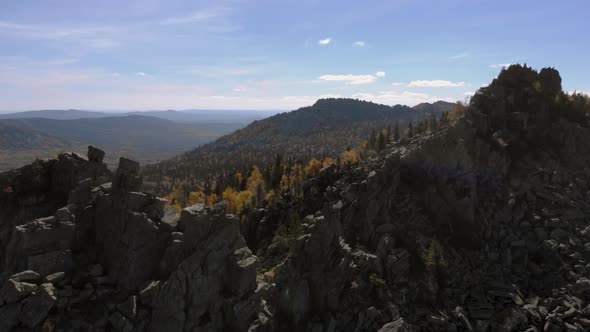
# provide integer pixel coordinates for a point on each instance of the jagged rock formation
(110, 258)
(481, 225)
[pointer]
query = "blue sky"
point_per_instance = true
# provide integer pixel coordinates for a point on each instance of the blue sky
(156, 54)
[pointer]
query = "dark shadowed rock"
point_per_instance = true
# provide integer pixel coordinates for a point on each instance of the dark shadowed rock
(35, 308)
(95, 155)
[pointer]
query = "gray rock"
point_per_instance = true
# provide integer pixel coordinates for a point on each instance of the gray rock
(129, 307)
(55, 278)
(581, 286)
(9, 316)
(95, 154)
(127, 176)
(51, 262)
(399, 325)
(36, 307)
(146, 295)
(26, 276)
(14, 291)
(120, 323)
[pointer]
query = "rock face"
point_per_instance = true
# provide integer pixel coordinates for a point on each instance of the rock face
(105, 260)
(481, 225)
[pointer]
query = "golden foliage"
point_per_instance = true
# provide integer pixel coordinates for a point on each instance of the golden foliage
(328, 162)
(350, 157)
(237, 201)
(313, 167)
(196, 197)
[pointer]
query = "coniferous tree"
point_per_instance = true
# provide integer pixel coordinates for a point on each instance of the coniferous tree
(381, 141)
(372, 140)
(410, 130)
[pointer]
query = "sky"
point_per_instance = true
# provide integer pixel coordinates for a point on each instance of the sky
(276, 55)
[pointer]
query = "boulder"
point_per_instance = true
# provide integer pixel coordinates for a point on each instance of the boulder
(127, 177)
(35, 308)
(13, 291)
(95, 154)
(26, 276)
(399, 325)
(129, 307)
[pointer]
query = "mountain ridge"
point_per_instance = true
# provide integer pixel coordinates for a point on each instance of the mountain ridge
(324, 129)
(474, 226)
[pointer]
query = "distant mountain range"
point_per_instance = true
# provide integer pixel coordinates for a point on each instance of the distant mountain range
(194, 116)
(17, 138)
(324, 129)
(148, 136)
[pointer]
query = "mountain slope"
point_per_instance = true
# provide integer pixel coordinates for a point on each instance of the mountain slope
(132, 131)
(19, 138)
(325, 129)
(148, 139)
(476, 226)
(54, 114)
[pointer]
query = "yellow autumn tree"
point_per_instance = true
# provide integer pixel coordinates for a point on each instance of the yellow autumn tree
(254, 179)
(212, 199)
(237, 201)
(349, 157)
(175, 198)
(313, 167)
(328, 162)
(231, 196)
(196, 197)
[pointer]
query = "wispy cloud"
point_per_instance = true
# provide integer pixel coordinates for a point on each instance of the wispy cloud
(435, 84)
(349, 79)
(404, 98)
(501, 65)
(325, 41)
(196, 17)
(93, 37)
(398, 84)
(380, 74)
(459, 56)
(142, 74)
(359, 43)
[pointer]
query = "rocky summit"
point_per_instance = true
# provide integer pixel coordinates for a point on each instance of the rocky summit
(480, 225)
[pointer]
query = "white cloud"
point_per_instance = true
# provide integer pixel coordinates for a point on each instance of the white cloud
(240, 89)
(89, 36)
(380, 74)
(195, 17)
(435, 84)
(359, 43)
(398, 84)
(140, 73)
(458, 56)
(325, 41)
(349, 79)
(404, 98)
(501, 65)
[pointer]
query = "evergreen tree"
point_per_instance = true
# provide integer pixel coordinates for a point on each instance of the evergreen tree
(410, 130)
(372, 140)
(381, 141)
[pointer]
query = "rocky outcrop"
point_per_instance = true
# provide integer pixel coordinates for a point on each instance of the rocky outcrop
(480, 225)
(112, 258)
